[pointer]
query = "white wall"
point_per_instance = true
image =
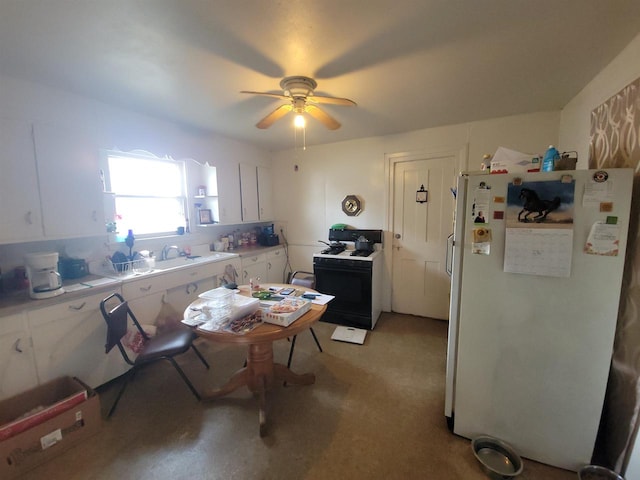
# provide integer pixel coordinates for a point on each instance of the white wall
(308, 201)
(575, 118)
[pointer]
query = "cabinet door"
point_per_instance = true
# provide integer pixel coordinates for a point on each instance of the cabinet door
(249, 192)
(264, 194)
(17, 366)
(70, 184)
(20, 215)
(276, 263)
(229, 197)
(180, 297)
(255, 271)
(69, 339)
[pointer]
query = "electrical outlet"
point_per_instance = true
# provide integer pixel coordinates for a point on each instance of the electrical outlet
(281, 229)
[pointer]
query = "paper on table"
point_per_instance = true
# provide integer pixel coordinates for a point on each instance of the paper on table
(321, 298)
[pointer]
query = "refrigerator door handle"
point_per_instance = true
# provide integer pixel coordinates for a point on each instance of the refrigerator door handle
(448, 259)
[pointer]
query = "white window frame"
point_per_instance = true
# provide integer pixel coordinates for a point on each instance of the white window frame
(147, 156)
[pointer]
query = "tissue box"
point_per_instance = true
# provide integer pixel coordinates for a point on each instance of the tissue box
(511, 161)
(287, 311)
(45, 421)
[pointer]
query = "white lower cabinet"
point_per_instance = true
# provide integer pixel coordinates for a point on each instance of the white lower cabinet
(69, 338)
(180, 297)
(146, 296)
(254, 266)
(17, 365)
(276, 263)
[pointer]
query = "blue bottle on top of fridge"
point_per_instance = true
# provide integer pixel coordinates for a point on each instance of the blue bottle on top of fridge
(549, 159)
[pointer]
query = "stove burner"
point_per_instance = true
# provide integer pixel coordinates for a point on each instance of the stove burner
(334, 249)
(361, 253)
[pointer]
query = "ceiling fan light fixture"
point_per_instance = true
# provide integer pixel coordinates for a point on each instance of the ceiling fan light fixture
(299, 121)
(299, 91)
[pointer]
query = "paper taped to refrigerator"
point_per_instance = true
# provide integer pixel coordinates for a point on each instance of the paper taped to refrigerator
(536, 251)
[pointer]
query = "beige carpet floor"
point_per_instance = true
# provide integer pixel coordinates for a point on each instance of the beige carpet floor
(376, 411)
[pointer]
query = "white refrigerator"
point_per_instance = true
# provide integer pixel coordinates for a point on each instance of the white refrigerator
(534, 303)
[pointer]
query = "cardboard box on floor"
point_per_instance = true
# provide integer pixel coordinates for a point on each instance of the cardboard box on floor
(45, 421)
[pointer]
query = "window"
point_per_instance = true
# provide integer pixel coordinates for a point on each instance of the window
(150, 196)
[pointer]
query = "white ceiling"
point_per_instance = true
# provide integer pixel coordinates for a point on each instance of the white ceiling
(409, 64)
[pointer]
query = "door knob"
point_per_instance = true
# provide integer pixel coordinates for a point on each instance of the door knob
(397, 235)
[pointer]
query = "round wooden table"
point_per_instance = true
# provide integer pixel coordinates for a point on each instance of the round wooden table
(261, 372)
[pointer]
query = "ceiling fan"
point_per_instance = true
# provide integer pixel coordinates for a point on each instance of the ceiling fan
(299, 91)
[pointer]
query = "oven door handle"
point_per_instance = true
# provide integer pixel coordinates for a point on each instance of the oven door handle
(340, 268)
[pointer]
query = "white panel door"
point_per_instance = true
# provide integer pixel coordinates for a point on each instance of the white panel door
(420, 230)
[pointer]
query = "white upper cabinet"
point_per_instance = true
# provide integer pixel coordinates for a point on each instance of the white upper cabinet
(70, 186)
(228, 194)
(20, 214)
(264, 194)
(256, 193)
(249, 192)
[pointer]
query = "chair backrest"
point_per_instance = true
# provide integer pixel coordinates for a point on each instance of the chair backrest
(116, 325)
(117, 320)
(304, 279)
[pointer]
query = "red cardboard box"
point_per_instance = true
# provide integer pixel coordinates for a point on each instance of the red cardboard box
(43, 422)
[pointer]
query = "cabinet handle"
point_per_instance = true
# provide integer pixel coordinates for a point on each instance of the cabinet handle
(193, 273)
(145, 289)
(94, 216)
(76, 307)
(269, 265)
(28, 218)
(195, 287)
(16, 346)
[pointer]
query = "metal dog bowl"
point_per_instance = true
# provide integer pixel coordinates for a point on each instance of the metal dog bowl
(594, 472)
(498, 460)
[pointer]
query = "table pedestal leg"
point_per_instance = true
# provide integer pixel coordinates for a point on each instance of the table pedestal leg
(259, 376)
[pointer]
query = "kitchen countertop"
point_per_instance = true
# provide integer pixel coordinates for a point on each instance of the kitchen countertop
(254, 250)
(17, 301)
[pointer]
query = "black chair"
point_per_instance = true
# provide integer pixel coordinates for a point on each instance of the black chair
(164, 346)
(306, 280)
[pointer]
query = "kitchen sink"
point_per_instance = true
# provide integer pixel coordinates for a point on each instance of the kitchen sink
(186, 261)
(141, 267)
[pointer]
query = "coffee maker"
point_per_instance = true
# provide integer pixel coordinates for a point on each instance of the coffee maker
(42, 271)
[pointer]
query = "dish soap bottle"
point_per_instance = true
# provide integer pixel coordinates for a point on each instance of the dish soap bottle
(549, 159)
(129, 241)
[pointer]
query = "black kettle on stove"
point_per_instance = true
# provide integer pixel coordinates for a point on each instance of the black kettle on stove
(363, 244)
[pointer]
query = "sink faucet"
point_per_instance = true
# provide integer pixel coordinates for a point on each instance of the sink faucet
(164, 255)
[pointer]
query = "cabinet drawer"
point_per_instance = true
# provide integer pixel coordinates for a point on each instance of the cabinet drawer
(194, 274)
(152, 284)
(253, 259)
(275, 254)
(79, 306)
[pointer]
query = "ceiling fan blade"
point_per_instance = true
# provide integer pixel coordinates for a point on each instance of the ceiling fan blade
(277, 114)
(266, 94)
(332, 100)
(323, 117)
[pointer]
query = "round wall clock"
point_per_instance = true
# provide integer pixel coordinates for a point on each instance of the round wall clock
(351, 205)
